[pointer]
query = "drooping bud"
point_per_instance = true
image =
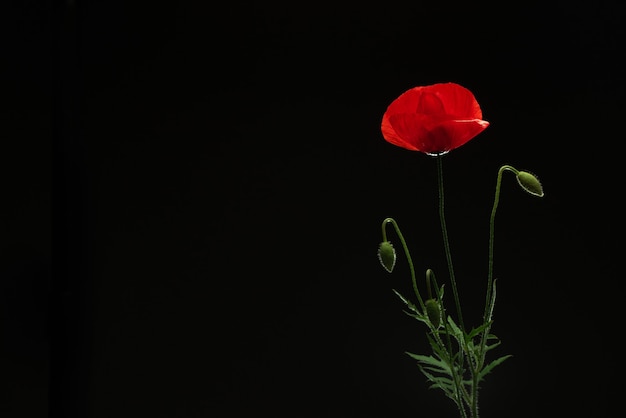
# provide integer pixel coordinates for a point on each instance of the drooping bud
(387, 255)
(530, 183)
(433, 312)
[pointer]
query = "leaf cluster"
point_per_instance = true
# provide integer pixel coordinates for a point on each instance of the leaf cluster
(457, 364)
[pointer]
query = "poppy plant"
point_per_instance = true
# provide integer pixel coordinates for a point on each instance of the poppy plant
(433, 119)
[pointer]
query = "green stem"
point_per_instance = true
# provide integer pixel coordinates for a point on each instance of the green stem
(455, 293)
(428, 290)
(487, 315)
(461, 393)
(474, 410)
(488, 302)
(408, 256)
(489, 295)
(446, 242)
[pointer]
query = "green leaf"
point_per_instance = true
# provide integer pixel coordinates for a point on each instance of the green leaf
(456, 332)
(492, 337)
(407, 302)
(439, 293)
(431, 361)
(438, 349)
(492, 302)
(491, 365)
(443, 383)
(475, 331)
(492, 346)
(419, 316)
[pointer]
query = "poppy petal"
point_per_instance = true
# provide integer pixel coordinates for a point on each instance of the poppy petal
(433, 119)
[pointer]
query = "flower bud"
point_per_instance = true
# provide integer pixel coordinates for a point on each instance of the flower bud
(530, 183)
(433, 312)
(387, 255)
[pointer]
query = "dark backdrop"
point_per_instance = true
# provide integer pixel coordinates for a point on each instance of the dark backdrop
(193, 194)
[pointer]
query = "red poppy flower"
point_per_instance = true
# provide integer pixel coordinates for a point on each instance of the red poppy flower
(433, 119)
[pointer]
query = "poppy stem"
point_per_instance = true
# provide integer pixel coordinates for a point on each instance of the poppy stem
(487, 315)
(446, 243)
(490, 295)
(408, 256)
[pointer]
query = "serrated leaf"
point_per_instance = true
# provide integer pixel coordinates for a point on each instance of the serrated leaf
(456, 332)
(475, 331)
(491, 365)
(438, 349)
(492, 346)
(407, 302)
(447, 385)
(442, 383)
(431, 361)
(439, 293)
(492, 337)
(418, 316)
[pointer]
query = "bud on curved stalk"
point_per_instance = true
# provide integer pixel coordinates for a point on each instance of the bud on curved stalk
(433, 312)
(387, 255)
(530, 183)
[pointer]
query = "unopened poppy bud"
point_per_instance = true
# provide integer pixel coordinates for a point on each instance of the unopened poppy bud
(530, 183)
(433, 312)
(387, 255)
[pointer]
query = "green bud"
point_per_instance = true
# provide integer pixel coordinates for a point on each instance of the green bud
(433, 312)
(387, 255)
(530, 183)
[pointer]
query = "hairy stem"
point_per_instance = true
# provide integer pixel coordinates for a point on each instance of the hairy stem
(490, 279)
(408, 257)
(487, 316)
(446, 243)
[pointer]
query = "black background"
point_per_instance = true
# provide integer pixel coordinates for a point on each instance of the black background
(193, 194)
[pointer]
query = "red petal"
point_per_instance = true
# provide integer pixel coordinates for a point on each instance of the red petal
(458, 101)
(391, 136)
(458, 132)
(433, 119)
